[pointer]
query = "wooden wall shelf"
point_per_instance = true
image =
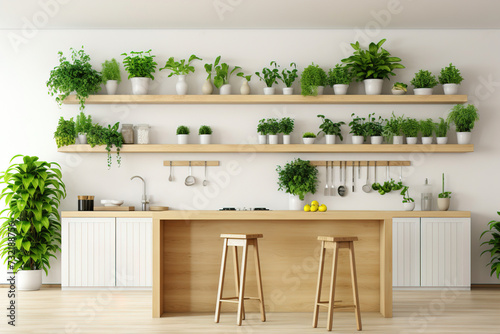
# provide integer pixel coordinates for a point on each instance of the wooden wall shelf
(270, 99)
(293, 148)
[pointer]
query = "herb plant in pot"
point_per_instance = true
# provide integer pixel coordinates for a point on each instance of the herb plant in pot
(297, 178)
(288, 77)
(270, 77)
(180, 69)
(140, 67)
(245, 87)
(286, 127)
(392, 129)
(111, 76)
(30, 233)
(182, 134)
(423, 82)
(313, 80)
(263, 130)
(82, 127)
(330, 129)
(374, 128)
(205, 133)
(358, 129)
(450, 78)
(112, 137)
(444, 198)
(441, 130)
(308, 138)
(221, 78)
(339, 78)
(372, 66)
(273, 128)
(399, 88)
(65, 133)
(408, 202)
(464, 118)
(410, 128)
(207, 87)
(427, 129)
(494, 233)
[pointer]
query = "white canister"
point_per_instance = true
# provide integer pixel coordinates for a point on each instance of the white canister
(142, 133)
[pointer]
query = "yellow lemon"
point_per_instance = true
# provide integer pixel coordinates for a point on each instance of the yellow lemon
(315, 203)
(314, 208)
(322, 208)
(307, 208)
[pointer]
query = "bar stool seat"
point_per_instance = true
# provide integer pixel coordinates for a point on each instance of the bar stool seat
(240, 240)
(336, 243)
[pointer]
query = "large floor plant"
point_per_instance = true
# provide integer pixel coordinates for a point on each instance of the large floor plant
(494, 243)
(30, 233)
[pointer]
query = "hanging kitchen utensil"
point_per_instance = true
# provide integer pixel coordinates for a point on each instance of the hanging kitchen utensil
(332, 180)
(190, 180)
(401, 174)
(367, 187)
(205, 181)
(374, 174)
(327, 190)
(352, 176)
(342, 190)
(170, 178)
(387, 172)
(359, 170)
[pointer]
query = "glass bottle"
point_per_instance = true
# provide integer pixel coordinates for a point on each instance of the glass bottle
(142, 133)
(127, 133)
(426, 197)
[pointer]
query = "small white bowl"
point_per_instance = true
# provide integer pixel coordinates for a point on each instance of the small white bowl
(111, 202)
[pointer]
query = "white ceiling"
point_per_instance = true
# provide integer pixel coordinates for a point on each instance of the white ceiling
(250, 14)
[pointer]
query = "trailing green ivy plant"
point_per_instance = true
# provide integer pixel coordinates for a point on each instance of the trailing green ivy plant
(494, 243)
(450, 75)
(312, 77)
(270, 76)
(298, 178)
(112, 137)
(464, 117)
(65, 133)
(328, 127)
(180, 67)
(140, 64)
(288, 77)
(111, 71)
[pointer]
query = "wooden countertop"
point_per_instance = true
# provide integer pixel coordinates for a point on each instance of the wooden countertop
(107, 214)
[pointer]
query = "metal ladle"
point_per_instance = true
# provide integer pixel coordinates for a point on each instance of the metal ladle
(170, 178)
(367, 187)
(342, 189)
(190, 180)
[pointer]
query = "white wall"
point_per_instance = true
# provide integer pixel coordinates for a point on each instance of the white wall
(29, 117)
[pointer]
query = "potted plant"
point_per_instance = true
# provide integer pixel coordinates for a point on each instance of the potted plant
(288, 77)
(30, 233)
(464, 119)
(205, 133)
(140, 67)
(494, 243)
(392, 129)
(82, 127)
(273, 128)
(308, 138)
(245, 87)
(339, 78)
(374, 129)
(182, 134)
(112, 137)
(399, 88)
(65, 133)
(330, 129)
(423, 82)
(180, 69)
(270, 77)
(427, 129)
(76, 76)
(410, 128)
(441, 130)
(444, 198)
(222, 74)
(313, 80)
(262, 129)
(95, 136)
(450, 78)
(372, 66)
(111, 76)
(297, 178)
(408, 202)
(207, 87)
(286, 127)
(358, 129)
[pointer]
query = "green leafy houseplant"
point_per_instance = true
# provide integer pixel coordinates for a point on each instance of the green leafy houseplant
(441, 128)
(111, 137)
(494, 243)
(298, 178)
(464, 117)
(358, 126)
(339, 75)
(83, 123)
(312, 77)
(111, 71)
(410, 127)
(33, 192)
(140, 64)
(182, 130)
(400, 86)
(205, 130)
(95, 136)
(374, 63)
(262, 127)
(374, 126)
(222, 73)
(444, 194)
(180, 67)
(328, 127)
(209, 68)
(387, 186)
(308, 135)
(246, 77)
(392, 127)
(406, 195)
(288, 77)
(65, 133)
(270, 76)
(427, 127)
(424, 79)
(286, 125)
(76, 75)
(273, 126)
(450, 75)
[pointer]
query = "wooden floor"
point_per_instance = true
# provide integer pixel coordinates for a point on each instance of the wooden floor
(54, 311)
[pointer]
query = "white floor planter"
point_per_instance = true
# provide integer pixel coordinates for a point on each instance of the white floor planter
(422, 91)
(444, 204)
(373, 86)
(205, 139)
(398, 140)
(294, 203)
(377, 140)
(286, 139)
(321, 89)
(409, 206)
(225, 89)
(340, 89)
(398, 92)
(450, 89)
(308, 141)
(111, 87)
(330, 139)
(464, 138)
(411, 140)
(273, 139)
(82, 139)
(262, 139)
(442, 140)
(181, 87)
(288, 91)
(269, 90)
(426, 140)
(140, 86)
(207, 87)
(245, 88)
(182, 139)
(358, 140)
(28, 280)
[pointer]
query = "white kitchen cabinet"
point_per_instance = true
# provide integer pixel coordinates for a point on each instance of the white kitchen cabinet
(406, 252)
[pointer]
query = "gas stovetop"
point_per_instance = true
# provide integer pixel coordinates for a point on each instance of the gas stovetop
(244, 209)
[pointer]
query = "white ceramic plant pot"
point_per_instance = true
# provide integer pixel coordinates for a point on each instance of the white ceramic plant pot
(82, 138)
(373, 86)
(358, 140)
(422, 91)
(140, 86)
(426, 140)
(444, 204)
(182, 139)
(28, 280)
(111, 87)
(340, 89)
(262, 139)
(269, 90)
(273, 139)
(308, 141)
(181, 87)
(411, 140)
(377, 140)
(245, 88)
(330, 139)
(397, 140)
(225, 89)
(321, 89)
(207, 87)
(464, 138)
(450, 89)
(409, 206)
(286, 139)
(398, 92)
(288, 91)
(205, 139)
(294, 203)
(442, 140)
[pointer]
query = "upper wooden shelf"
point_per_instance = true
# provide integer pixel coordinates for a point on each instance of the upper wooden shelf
(293, 148)
(270, 99)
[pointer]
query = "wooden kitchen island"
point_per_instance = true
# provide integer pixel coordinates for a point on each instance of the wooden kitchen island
(187, 254)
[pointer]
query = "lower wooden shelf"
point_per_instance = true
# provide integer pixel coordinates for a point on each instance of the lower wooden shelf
(293, 148)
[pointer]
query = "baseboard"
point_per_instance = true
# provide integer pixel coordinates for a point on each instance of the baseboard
(44, 286)
(485, 286)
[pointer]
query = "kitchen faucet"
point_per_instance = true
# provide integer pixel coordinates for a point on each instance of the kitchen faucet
(145, 200)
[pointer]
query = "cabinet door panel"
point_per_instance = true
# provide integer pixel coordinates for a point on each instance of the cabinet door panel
(406, 252)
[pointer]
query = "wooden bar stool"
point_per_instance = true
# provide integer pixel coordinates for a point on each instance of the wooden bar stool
(240, 240)
(336, 243)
